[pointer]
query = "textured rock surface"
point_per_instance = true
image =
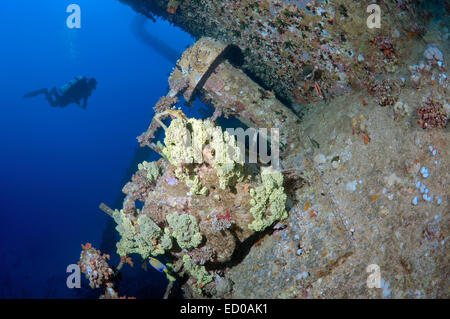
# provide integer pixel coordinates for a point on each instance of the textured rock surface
(360, 212)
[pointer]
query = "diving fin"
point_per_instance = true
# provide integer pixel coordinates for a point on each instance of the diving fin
(36, 93)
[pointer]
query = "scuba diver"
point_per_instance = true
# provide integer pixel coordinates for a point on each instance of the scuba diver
(80, 88)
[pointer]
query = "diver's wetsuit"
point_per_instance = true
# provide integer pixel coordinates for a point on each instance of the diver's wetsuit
(73, 92)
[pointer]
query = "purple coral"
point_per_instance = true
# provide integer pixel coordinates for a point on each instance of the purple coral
(172, 181)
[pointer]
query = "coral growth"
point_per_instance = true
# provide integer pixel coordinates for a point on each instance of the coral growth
(165, 103)
(100, 275)
(401, 109)
(192, 141)
(177, 210)
(220, 223)
(199, 273)
(203, 208)
(385, 45)
(141, 184)
(185, 230)
(430, 114)
(359, 124)
(202, 255)
(95, 266)
(282, 41)
(179, 85)
(172, 6)
(140, 235)
(152, 170)
(268, 201)
(385, 92)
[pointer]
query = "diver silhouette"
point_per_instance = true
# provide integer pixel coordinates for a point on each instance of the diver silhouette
(80, 88)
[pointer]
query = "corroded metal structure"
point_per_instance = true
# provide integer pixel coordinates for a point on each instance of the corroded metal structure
(295, 47)
(355, 186)
(206, 70)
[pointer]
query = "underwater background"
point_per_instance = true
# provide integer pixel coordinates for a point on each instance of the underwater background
(58, 164)
(364, 112)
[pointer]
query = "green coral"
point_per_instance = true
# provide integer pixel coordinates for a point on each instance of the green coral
(169, 272)
(185, 230)
(178, 147)
(196, 271)
(127, 230)
(165, 241)
(153, 171)
(193, 182)
(141, 237)
(228, 169)
(170, 277)
(269, 196)
(185, 143)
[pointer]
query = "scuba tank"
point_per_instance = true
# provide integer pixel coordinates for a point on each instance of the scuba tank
(68, 85)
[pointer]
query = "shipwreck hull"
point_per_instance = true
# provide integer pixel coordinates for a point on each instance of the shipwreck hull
(353, 160)
(293, 47)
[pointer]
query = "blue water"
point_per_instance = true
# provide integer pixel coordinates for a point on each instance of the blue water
(58, 164)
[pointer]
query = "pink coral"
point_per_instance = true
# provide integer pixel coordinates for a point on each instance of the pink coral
(226, 215)
(172, 181)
